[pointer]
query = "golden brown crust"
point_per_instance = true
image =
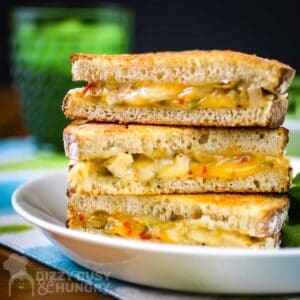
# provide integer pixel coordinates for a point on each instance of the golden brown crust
(252, 214)
(84, 141)
(270, 74)
(174, 56)
(277, 112)
(108, 129)
(267, 202)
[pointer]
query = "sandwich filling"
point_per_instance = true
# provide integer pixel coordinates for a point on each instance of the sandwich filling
(178, 231)
(124, 166)
(214, 96)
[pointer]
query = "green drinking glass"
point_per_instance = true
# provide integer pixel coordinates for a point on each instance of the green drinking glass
(42, 41)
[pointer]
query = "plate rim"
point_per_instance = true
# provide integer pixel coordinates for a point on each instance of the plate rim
(131, 244)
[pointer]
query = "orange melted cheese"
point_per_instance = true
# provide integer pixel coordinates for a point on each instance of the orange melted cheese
(186, 231)
(181, 167)
(174, 95)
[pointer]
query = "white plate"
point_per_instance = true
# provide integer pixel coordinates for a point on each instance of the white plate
(187, 268)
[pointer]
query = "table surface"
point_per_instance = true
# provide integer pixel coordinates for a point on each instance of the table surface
(47, 287)
(11, 122)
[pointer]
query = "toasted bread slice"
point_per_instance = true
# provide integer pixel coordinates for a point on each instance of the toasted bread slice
(194, 88)
(86, 141)
(115, 159)
(257, 215)
(186, 67)
(270, 115)
(224, 220)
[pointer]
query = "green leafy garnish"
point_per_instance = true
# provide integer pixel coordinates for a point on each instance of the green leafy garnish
(291, 229)
(296, 181)
(291, 235)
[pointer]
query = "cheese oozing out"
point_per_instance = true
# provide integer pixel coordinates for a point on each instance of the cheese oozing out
(177, 231)
(142, 168)
(214, 96)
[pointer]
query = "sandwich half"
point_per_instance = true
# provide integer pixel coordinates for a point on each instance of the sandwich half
(198, 88)
(221, 220)
(136, 159)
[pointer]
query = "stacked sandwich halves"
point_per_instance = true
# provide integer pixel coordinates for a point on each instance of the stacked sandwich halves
(216, 175)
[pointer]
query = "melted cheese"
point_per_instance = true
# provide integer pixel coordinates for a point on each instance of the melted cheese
(141, 168)
(177, 231)
(175, 95)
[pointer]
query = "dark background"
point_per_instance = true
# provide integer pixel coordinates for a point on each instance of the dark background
(268, 28)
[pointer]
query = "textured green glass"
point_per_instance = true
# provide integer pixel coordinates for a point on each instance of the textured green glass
(43, 40)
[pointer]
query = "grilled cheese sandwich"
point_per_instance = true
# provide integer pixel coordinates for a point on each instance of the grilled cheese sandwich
(174, 160)
(213, 88)
(226, 220)
(179, 184)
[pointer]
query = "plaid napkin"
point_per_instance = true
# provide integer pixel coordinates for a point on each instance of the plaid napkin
(20, 161)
